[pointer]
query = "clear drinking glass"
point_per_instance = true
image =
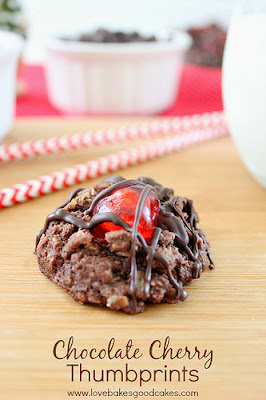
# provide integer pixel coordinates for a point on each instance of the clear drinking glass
(244, 84)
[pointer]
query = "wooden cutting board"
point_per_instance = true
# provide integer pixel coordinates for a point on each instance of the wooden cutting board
(225, 311)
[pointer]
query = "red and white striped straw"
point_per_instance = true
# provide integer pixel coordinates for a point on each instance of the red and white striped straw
(49, 183)
(19, 151)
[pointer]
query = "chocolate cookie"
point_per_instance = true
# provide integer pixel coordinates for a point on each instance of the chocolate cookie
(123, 243)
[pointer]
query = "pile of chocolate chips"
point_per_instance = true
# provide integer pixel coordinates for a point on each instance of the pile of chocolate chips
(108, 36)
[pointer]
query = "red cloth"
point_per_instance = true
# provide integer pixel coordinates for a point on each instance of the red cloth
(200, 91)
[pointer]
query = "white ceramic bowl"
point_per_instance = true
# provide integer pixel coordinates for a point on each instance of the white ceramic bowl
(10, 49)
(114, 78)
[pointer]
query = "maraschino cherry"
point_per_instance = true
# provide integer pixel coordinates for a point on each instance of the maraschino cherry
(123, 202)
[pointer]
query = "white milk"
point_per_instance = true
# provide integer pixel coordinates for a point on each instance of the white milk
(244, 90)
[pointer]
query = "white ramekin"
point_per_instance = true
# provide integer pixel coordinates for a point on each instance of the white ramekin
(114, 78)
(10, 49)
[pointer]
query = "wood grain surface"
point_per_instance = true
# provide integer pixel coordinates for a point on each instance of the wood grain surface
(225, 311)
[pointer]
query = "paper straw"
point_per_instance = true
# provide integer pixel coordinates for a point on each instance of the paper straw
(19, 151)
(49, 183)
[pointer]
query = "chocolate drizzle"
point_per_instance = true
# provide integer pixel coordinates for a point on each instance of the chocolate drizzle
(169, 218)
(192, 227)
(134, 268)
(110, 189)
(150, 256)
(53, 216)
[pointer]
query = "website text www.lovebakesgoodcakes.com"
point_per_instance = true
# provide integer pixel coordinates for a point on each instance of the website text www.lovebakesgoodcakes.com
(135, 394)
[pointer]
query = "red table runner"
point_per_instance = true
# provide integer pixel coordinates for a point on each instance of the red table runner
(200, 91)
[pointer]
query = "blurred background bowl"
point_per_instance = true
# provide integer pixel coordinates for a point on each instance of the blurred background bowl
(10, 49)
(114, 78)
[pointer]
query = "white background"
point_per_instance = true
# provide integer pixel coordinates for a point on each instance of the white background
(51, 17)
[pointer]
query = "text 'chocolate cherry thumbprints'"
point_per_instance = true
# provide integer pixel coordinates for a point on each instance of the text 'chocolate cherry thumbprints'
(123, 202)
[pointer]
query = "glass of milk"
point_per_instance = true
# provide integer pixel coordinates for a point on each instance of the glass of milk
(244, 85)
